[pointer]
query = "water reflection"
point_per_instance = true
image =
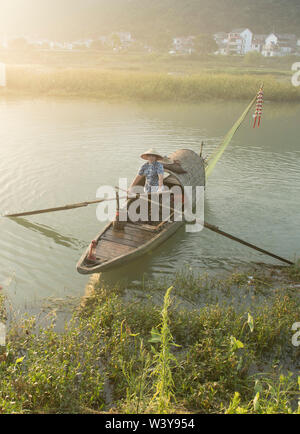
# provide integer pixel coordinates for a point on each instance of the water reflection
(49, 232)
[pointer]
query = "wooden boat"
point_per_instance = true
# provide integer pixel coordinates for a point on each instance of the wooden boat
(117, 247)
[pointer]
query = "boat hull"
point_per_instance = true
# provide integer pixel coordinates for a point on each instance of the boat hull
(124, 259)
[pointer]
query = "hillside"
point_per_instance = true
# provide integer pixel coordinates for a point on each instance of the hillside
(148, 20)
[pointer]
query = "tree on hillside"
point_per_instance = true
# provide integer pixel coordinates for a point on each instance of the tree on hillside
(97, 45)
(205, 44)
(19, 44)
(116, 41)
(161, 41)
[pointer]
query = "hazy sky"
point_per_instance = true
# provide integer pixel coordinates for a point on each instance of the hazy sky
(47, 16)
(71, 19)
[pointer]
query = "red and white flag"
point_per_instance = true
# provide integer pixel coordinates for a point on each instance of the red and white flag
(259, 107)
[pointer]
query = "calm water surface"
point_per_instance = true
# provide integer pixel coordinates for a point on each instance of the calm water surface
(56, 151)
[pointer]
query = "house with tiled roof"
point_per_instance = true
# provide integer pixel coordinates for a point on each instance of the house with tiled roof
(184, 44)
(279, 45)
(239, 41)
(258, 41)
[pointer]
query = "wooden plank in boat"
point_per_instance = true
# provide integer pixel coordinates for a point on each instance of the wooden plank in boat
(108, 249)
(125, 242)
(143, 226)
(135, 238)
(139, 231)
(130, 234)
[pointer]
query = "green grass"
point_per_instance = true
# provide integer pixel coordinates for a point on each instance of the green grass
(50, 372)
(140, 61)
(2, 307)
(188, 350)
(144, 86)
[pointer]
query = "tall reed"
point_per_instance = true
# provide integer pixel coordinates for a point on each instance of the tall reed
(144, 86)
(164, 384)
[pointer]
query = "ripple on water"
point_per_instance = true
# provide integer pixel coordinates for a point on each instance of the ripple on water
(62, 151)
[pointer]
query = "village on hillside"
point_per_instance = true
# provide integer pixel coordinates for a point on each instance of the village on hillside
(237, 42)
(242, 41)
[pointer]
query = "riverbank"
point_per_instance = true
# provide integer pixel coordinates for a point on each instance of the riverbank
(137, 61)
(208, 345)
(144, 86)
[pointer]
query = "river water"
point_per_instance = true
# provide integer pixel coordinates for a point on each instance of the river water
(59, 151)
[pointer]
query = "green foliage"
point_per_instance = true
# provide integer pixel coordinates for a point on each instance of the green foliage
(2, 307)
(253, 58)
(225, 359)
(57, 373)
(272, 396)
(293, 272)
(116, 41)
(235, 344)
(163, 360)
(205, 44)
(145, 86)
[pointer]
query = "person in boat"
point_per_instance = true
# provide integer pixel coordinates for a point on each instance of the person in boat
(153, 171)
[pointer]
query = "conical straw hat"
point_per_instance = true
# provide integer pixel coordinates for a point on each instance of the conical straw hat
(152, 152)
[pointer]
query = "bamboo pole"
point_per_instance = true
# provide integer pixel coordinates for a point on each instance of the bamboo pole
(245, 243)
(61, 208)
(201, 149)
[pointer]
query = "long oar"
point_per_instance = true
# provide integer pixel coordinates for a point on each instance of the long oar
(224, 234)
(61, 208)
(245, 243)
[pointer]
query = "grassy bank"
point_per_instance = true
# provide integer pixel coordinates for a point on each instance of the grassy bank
(207, 345)
(151, 62)
(141, 86)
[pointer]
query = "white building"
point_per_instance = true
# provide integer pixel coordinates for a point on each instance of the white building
(279, 45)
(239, 42)
(125, 37)
(184, 45)
(221, 39)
